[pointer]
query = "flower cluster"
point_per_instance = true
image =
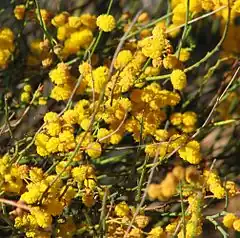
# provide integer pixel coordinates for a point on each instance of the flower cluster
(6, 46)
(113, 136)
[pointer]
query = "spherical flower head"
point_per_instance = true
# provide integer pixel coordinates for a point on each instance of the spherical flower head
(88, 198)
(191, 152)
(231, 188)
(80, 173)
(19, 11)
(170, 62)
(74, 21)
(100, 76)
(156, 232)
(52, 145)
(85, 123)
(184, 55)
(94, 150)
(44, 219)
(189, 118)
(142, 221)
(70, 117)
(178, 79)
(60, 19)
(102, 133)
(229, 219)
(122, 209)
(41, 139)
(25, 97)
(123, 58)
(36, 174)
(61, 92)
(161, 135)
(176, 118)
(179, 172)
(236, 225)
(154, 190)
(51, 117)
(27, 88)
(106, 22)
(60, 75)
(89, 21)
(85, 68)
(53, 128)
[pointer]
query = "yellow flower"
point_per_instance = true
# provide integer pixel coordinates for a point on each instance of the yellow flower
(142, 221)
(156, 232)
(191, 152)
(122, 209)
(74, 21)
(94, 150)
(229, 219)
(100, 77)
(51, 117)
(60, 19)
(189, 118)
(52, 145)
(176, 118)
(123, 58)
(178, 79)
(106, 22)
(231, 188)
(19, 11)
(42, 101)
(184, 55)
(43, 218)
(53, 128)
(85, 68)
(236, 225)
(70, 117)
(60, 75)
(88, 198)
(25, 97)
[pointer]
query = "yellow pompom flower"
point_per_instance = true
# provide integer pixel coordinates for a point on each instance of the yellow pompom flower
(184, 55)
(52, 145)
(178, 79)
(236, 225)
(61, 166)
(19, 11)
(94, 150)
(122, 209)
(191, 152)
(123, 58)
(53, 128)
(42, 101)
(142, 221)
(231, 188)
(85, 68)
(74, 21)
(51, 117)
(106, 22)
(60, 19)
(176, 118)
(229, 219)
(70, 117)
(100, 76)
(43, 218)
(25, 97)
(189, 118)
(85, 123)
(60, 75)
(156, 232)
(170, 62)
(88, 198)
